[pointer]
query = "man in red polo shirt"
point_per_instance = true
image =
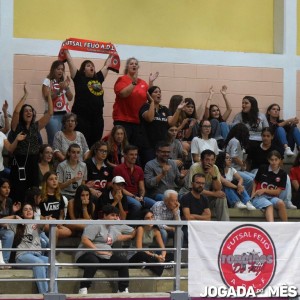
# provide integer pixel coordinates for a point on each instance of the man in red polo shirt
(135, 186)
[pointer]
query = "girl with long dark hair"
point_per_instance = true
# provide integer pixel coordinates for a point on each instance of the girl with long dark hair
(24, 169)
(219, 127)
(236, 144)
(27, 239)
(80, 207)
(61, 95)
(252, 118)
(286, 131)
(269, 181)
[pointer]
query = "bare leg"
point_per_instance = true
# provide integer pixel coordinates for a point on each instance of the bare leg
(270, 213)
(281, 211)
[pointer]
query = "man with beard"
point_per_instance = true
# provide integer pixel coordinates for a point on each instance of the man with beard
(162, 173)
(213, 186)
(194, 205)
(135, 186)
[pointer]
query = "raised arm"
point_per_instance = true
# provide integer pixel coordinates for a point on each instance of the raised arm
(5, 129)
(208, 103)
(43, 121)
(172, 120)
(15, 117)
(107, 63)
(152, 78)
(228, 111)
(150, 113)
(71, 64)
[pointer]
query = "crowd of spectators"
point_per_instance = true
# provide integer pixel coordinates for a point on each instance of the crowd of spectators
(158, 162)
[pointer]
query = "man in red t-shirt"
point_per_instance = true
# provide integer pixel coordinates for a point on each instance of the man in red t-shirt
(135, 186)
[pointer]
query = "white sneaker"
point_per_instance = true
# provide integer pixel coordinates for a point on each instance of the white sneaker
(83, 291)
(240, 205)
(290, 205)
(125, 291)
(250, 206)
(288, 152)
(169, 266)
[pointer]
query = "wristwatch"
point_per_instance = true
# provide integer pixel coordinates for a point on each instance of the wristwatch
(133, 83)
(214, 177)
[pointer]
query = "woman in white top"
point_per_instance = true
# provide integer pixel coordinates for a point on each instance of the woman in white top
(71, 172)
(232, 183)
(203, 141)
(63, 139)
(60, 94)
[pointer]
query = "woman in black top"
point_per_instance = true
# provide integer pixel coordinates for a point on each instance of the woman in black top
(156, 119)
(25, 170)
(88, 103)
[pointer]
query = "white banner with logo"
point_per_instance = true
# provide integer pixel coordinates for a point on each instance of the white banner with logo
(235, 259)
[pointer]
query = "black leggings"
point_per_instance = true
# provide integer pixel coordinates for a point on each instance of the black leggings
(89, 271)
(144, 257)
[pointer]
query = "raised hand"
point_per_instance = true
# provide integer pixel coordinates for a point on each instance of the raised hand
(25, 90)
(108, 60)
(135, 76)
(223, 90)
(182, 105)
(5, 107)
(211, 91)
(149, 98)
(152, 77)
(16, 207)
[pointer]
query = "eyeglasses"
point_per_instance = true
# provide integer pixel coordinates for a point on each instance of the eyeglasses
(102, 151)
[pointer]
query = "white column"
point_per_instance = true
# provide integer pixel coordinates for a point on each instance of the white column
(290, 58)
(6, 52)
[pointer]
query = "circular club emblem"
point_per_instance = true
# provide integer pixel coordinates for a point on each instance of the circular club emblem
(247, 258)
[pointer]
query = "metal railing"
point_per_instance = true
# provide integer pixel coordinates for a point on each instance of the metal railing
(177, 249)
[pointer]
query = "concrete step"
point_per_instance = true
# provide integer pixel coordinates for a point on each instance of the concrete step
(141, 284)
(246, 215)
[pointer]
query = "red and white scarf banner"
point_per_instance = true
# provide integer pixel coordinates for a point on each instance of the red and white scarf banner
(242, 260)
(91, 46)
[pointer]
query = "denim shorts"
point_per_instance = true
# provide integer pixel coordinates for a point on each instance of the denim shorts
(264, 201)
